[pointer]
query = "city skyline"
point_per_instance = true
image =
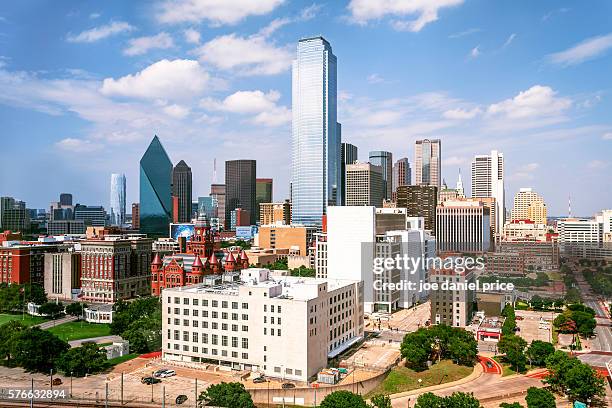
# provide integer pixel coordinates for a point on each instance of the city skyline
(533, 91)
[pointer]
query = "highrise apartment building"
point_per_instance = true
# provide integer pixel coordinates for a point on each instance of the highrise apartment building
(315, 169)
(463, 226)
(117, 199)
(428, 162)
(528, 205)
(488, 181)
(385, 161)
(420, 201)
(364, 184)
(285, 327)
(240, 188)
(348, 155)
(155, 189)
(263, 194)
(402, 175)
(182, 189)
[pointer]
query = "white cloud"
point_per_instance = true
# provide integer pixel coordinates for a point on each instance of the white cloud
(584, 51)
(142, 45)
(252, 55)
(597, 164)
(537, 101)
(607, 136)
(454, 161)
(462, 114)
(464, 33)
(77, 145)
(93, 16)
(426, 11)
(375, 79)
(475, 52)
(509, 40)
(263, 105)
(192, 36)
(176, 111)
(524, 172)
(177, 79)
(216, 12)
(101, 32)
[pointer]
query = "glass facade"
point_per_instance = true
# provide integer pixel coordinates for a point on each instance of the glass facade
(155, 189)
(315, 173)
(385, 160)
(117, 199)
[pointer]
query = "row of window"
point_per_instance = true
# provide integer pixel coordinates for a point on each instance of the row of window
(214, 339)
(214, 303)
(213, 352)
(205, 325)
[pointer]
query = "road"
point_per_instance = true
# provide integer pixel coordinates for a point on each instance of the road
(102, 339)
(603, 338)
(56, 322)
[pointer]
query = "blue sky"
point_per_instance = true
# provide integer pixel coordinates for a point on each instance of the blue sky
(84, 86)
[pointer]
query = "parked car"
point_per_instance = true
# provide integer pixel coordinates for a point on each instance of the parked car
(167, 373)
(180, 399)
(158, 373)
(259, 380)
(288, 385)
(489, 364)
(57, 381)
(150, 380)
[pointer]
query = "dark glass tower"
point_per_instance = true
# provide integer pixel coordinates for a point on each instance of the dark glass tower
(385, 160)
(155, 189)
(181, 188)
(240, 188)
(263, 194)
(348, 155)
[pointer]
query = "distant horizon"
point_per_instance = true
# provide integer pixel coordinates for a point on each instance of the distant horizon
(85, 88)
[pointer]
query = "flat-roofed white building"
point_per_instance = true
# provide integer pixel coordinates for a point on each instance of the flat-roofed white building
(280, 326)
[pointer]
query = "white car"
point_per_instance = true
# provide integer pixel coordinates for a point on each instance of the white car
(167, 373)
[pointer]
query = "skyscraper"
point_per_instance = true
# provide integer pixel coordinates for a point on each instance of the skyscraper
(402, 175)
(155, 189)
(217, 192)
(181, 189)
(421, 201)
(315, 170)
(427, 162)
(528, 205)
(348, 155)
(385, 160)
(263, 193)
(364, 184)
(65, 199)
(117, 199)
(488, 181)
(240, 188)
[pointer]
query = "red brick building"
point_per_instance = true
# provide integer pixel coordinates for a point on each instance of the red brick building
(24, 263)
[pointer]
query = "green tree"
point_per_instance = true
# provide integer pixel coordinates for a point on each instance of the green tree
(416, 348)
(36, 350)
(51, 309)
(429, 400)
(7, 332)
(231, 395)
(76, 309)
(538, 351)
(569, 375)
(456, 400)
(139, 322)
(540, 398)
(514, 348)
(343, 399)
(510, 405)
(87, 359)
(381, 401)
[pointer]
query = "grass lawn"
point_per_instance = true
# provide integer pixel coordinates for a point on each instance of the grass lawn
(122, 359)
(402, 379)
(554, 276)
(506, 367)
(80, 330)
(28, 320)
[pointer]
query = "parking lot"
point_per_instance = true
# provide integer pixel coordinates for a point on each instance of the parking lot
(530, 327)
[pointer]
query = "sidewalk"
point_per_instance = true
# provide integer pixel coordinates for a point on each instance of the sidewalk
(52, 323)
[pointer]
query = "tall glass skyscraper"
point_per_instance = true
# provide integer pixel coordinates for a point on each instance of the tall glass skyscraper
(385, 160)
(155, 189)
(117, 199)
(315, 171)
(181, 188)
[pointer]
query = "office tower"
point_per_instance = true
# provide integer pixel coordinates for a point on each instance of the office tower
(428, 162)
(488, 181)
(364, 184)
(402, 176)
(65, 199)
(181, 189)
(155, 189)
(463, 226)
(91, 215)
(528, 205)
(315, 169)
(348, 155)
(273, 213)
(421, 201)
(263, 194)
(240, 188)
(62, 278)
(117, 199)
(385, 161)
(452, 305)
(208, 206)
(217, 192)
(14, 215)
(239, 218)
(135, 216)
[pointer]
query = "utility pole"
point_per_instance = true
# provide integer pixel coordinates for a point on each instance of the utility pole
(122, 388)
(196, 392)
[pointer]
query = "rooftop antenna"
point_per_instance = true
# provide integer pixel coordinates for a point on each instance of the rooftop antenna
(569, 205)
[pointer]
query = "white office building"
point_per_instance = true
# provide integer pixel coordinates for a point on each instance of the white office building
(117, 199)
(280, 326)
(488, 181)
(463, 226)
